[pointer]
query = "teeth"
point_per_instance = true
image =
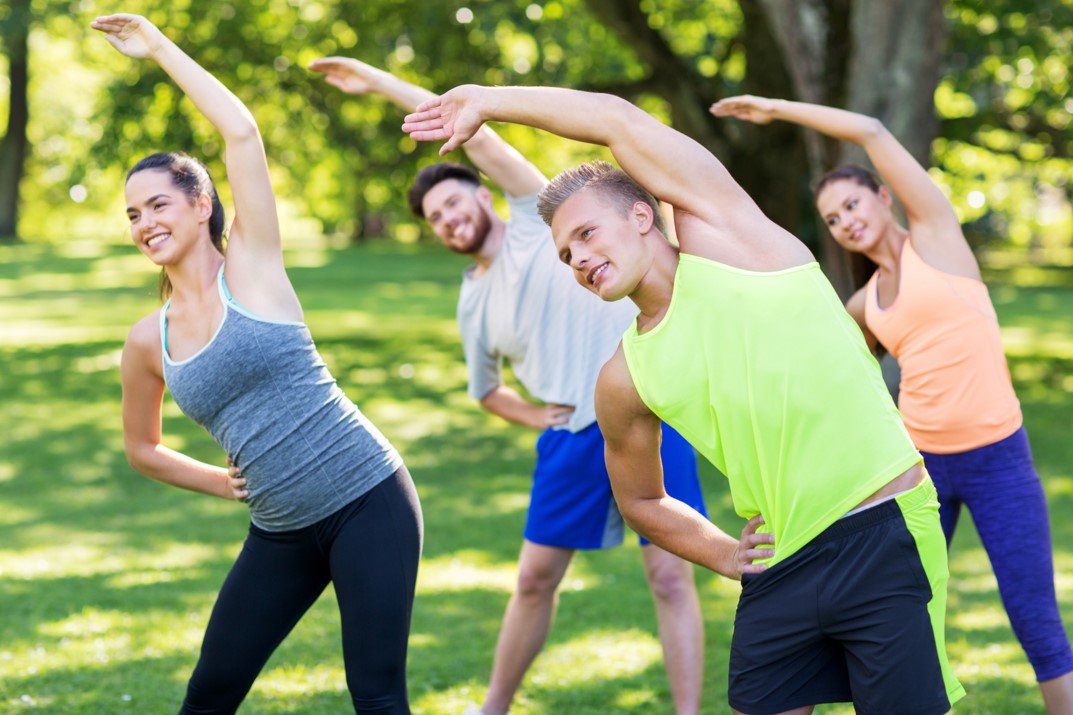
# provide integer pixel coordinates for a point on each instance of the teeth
(597, 272)
(157, 239)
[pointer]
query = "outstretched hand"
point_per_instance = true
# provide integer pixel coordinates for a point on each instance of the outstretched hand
(132, 35)
(348, 74)
(453, 117)
(758, 110)
(753, 546)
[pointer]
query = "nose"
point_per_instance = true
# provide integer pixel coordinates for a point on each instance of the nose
(579, 257)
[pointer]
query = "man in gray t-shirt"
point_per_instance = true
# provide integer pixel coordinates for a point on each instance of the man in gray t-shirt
(519, 302)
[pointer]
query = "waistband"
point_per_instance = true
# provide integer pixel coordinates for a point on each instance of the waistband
(883, 511)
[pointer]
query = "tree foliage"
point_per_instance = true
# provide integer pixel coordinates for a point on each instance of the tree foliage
(983, 85)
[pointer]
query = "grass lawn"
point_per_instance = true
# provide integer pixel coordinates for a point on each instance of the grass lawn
(107, 578)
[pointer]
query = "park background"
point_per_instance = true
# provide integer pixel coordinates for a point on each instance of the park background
(106, 578)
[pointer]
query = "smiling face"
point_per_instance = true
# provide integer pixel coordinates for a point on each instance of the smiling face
(603, 244)
(857, 217)
(459, 214)
(164, 222)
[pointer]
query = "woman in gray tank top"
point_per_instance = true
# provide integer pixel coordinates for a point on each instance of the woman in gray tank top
(329, 497)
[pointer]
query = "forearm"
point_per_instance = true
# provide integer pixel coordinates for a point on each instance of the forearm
(583, 116)
(674, 526)
(503, 164)
(507, 403)
(178, 470)
(405, 95)
(838, 123)
(217, 103)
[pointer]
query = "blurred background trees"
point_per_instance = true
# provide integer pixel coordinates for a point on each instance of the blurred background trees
(979, 89)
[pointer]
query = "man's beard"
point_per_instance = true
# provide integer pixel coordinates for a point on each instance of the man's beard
(481, 227)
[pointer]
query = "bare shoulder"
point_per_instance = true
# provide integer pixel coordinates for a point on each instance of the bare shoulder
(617, 399)
(740, 237)
(142, 347)
(856, 303)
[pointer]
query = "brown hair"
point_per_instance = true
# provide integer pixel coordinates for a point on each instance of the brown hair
(432, 175)
(613, 183)
(849, 172)
(192, 178)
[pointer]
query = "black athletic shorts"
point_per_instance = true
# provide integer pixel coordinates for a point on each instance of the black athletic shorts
(857, 615)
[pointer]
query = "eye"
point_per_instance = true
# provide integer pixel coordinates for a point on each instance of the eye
(852, 204)
(832, 221)
(132, 217)
(587, 233)
(565, 257)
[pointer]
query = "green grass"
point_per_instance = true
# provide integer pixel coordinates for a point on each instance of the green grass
(106, 578)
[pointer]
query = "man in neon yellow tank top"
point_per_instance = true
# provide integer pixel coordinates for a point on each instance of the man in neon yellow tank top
(742, 345)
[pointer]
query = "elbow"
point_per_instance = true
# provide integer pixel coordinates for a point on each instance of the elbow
(244, 130)
(871, 129)
(138, 457)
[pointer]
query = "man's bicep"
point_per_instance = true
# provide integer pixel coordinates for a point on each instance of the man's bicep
(631, 434)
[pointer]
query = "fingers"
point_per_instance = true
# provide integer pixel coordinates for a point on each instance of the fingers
(752, 525)
(453, 143)
(557, 414)
(237, 482)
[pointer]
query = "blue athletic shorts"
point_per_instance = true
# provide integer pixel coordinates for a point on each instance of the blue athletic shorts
(571, 505)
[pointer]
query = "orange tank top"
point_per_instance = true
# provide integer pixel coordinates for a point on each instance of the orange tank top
(955, 392)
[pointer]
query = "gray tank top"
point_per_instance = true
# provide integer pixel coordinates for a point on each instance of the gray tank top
(265, 395)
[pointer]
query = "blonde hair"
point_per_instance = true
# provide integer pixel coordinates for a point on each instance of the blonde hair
(613, 183)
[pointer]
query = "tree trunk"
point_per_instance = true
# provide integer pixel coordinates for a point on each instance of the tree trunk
(13, 145)
(890, 72)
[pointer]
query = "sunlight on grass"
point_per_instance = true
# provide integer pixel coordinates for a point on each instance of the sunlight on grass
(981, 618)
(598, 655)
(79, 558)
(301, 681)
(107, 579)
(453, 699)
(96, 638)
(461, 574)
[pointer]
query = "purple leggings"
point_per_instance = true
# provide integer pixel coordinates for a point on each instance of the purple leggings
(999, 485)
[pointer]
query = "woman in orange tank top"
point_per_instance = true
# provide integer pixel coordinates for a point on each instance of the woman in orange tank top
(927, 305)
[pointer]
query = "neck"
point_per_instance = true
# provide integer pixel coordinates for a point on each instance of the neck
(652, 296)
(195, 275)
(888, 251)
(493, 242)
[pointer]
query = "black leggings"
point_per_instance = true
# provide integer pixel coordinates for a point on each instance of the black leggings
(370, 550)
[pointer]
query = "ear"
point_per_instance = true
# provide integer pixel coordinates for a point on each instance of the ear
(885, 196)
(643, 216)
(204, 207)
(484, 197)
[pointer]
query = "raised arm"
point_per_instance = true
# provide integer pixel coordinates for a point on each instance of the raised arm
(632, 442)
(256, 223)
(497, 159)
(933, 224)
(673, 167)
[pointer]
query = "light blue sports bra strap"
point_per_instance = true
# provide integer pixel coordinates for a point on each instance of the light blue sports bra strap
(164, 326)
(225, 292)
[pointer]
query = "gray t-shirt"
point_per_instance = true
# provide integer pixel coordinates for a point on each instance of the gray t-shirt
(528, 308)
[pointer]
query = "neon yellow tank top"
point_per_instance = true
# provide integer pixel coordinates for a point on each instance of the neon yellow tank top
(770, 379)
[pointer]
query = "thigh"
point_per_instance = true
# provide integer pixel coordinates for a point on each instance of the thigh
(888, 602)
(275, 580)
(943, 473)
(374, 557)
(780, 658)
